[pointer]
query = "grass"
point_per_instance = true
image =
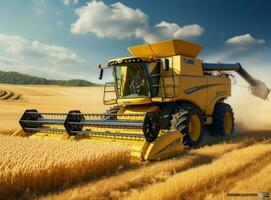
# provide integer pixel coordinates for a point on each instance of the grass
(40, 165)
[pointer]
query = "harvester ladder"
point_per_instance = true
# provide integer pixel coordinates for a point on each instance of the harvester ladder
(110, 91)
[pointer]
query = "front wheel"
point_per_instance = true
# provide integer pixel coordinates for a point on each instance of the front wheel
(188, 120)
(223, 120)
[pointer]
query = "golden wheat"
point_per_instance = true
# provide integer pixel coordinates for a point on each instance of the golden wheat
(259, 182)
(195, 183)
(30, 165)
(119, 186)
(9, 126)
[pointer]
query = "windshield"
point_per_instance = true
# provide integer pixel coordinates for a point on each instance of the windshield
(131, 81)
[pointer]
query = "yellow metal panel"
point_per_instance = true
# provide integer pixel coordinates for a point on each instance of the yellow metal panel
(168, 83)
(164, 99)
(118, 129)
(191, 67)
(168, 144)
(166, 49)
(199, 96)
(110, 102)
(138, 109)
(220, 89)
(134, 101)
(186, 48)
(186, 66)
(178, 66)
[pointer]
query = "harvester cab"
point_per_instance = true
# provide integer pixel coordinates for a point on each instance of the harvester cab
(163, 95)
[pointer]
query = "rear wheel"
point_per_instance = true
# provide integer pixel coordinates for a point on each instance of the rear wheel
(223, 120)
(188, 120)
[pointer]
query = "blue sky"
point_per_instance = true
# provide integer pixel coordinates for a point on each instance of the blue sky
(68, 38)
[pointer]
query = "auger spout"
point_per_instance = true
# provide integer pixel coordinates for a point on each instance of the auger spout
(258, 88)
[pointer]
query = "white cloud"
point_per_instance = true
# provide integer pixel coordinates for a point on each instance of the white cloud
(243, 42)
(115, 21)
(120, 21)
(67, 2)
(172, 29)
(20, 46)
(7, 61)
(40, 59)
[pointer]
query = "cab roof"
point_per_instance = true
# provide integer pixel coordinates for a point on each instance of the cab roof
(130, 59)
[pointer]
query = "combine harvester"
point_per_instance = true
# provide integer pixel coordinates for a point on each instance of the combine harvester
(165, 96)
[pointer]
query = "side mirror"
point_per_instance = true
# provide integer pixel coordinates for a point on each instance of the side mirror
(101, 72)
(165, 64)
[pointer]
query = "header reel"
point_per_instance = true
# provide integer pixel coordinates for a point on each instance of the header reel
(141, 132)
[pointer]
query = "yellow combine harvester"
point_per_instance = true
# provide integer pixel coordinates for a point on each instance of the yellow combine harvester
(164, 98)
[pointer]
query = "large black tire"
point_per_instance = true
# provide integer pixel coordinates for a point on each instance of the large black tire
(112, 110)
(188, 120)
(223, 120)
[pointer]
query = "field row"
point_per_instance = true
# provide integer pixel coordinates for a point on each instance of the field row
(210, 179)
(9, 95)
(131, 182)
(41, 166)
(32, 167)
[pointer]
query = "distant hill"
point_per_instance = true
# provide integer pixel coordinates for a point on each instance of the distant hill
(18, 78)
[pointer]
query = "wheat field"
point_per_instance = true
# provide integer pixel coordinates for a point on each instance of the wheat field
(52, 169)
(44, 164)
(47, 99)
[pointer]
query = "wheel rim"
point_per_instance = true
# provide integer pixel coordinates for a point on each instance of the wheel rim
(194, 128)
(228, 123)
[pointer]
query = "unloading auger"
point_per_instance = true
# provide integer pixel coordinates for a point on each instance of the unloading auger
(165, 96)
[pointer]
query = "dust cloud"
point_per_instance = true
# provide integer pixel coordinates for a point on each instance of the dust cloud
(251, 113)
